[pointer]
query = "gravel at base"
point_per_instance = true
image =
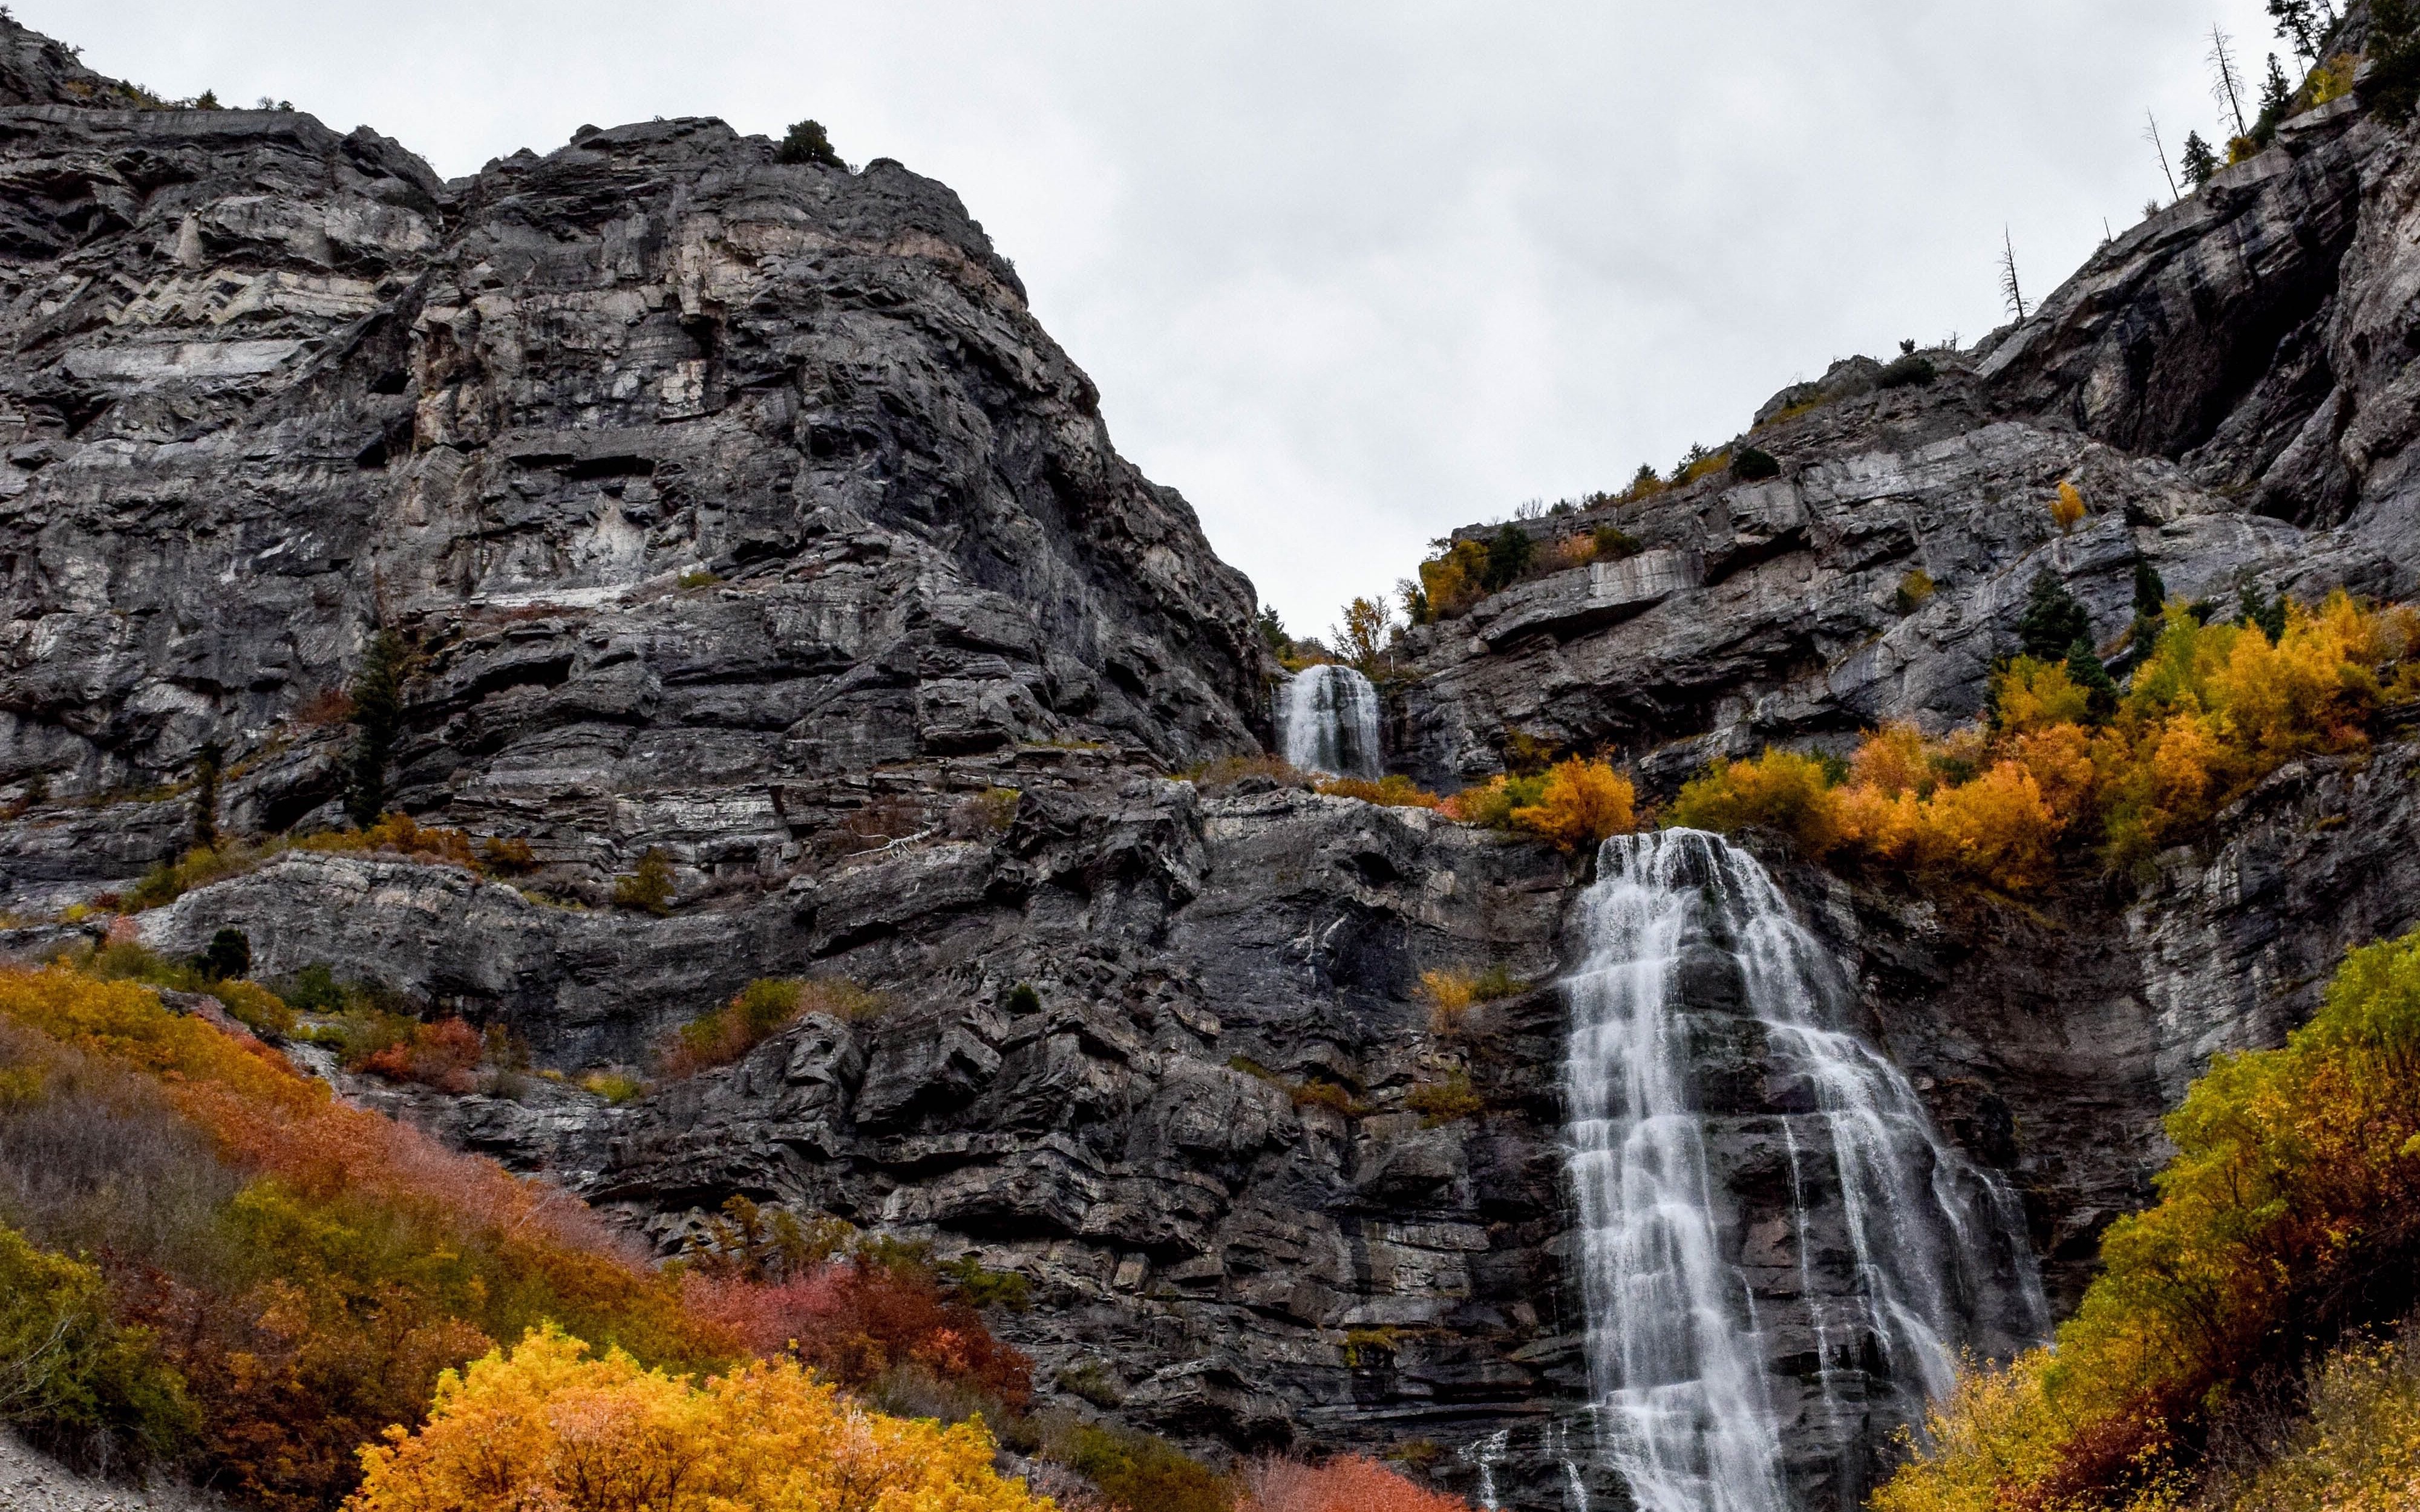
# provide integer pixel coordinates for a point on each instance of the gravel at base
(32, 1482)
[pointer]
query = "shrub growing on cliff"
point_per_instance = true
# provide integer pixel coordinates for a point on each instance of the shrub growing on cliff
(1509, 553)
(1572, 803)
(1915, 590)
(1752, 465)
(2296, 1175)
(1906, 372)
(647, 887)
(1455, 579)
(377, 694)
(808, 142)
(2066, 507)
(1581, 803)
(757, 1013)
(1137, 1471)
(1393, 791)
(1614, 543)
(1785, 791)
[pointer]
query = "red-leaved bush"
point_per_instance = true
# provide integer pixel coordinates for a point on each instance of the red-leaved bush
(444, 1055)
(1347, 1482)
(856, 1320)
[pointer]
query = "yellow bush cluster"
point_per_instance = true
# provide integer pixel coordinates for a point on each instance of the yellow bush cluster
(1574, 803)
(2360, 1452)
(547, 1426)
(2295, 1169)
(2212, 710)
(1454, 581)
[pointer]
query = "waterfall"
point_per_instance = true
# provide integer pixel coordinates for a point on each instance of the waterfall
(1328, 721)
(1773, 1240)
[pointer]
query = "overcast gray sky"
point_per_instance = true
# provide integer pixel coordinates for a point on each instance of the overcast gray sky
(1350, 274)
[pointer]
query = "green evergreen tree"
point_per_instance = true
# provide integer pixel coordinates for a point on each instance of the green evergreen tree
(2150, 594)
(1273, 632)
(2296, 26)
(2266, 615)
(2053, 620)
(228, 955)
(2276, 94)
(206, 795)
(2085, 670)
(806, 142)
(1507, 557)
(2199, 160)
(378, 721)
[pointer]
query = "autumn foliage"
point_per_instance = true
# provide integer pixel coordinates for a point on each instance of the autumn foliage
(2210, 711)
(546, 1425)
(857, 1321)
(1348, 1483)
(1574, 803)
(2296, 1180)
(281, 1276)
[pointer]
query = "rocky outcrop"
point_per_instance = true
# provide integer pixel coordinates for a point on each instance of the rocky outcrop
(1196, 1143)
(2220, 383)
(699, 483)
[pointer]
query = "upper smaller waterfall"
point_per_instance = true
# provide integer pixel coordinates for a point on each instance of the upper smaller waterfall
(1328, 721)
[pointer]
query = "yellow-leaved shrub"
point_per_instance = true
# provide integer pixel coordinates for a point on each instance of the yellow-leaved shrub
(1576, 802)
(2296, 1175)
(2210, 710)
(548, 1426)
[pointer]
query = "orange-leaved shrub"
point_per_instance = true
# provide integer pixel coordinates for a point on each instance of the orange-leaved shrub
(445, 1055)
(546, 1425)
(1574, 803)
(2295, 1185)
(2210, 711)
(399, 834)
(1348, 1483)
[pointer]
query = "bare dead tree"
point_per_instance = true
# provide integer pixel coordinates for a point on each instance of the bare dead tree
(2226, 85)
(2008, 289)
(2152, 130)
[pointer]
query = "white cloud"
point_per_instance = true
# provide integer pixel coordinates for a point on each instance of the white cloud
(1349, 274)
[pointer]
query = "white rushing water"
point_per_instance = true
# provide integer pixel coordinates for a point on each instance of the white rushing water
(1328, 721)
(1693, 948)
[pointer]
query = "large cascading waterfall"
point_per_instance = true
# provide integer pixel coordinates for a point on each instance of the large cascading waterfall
(1781, 1257)
(1328, 721)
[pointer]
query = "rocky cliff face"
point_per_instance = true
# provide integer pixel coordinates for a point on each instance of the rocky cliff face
(739, 509)
(702, 485)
